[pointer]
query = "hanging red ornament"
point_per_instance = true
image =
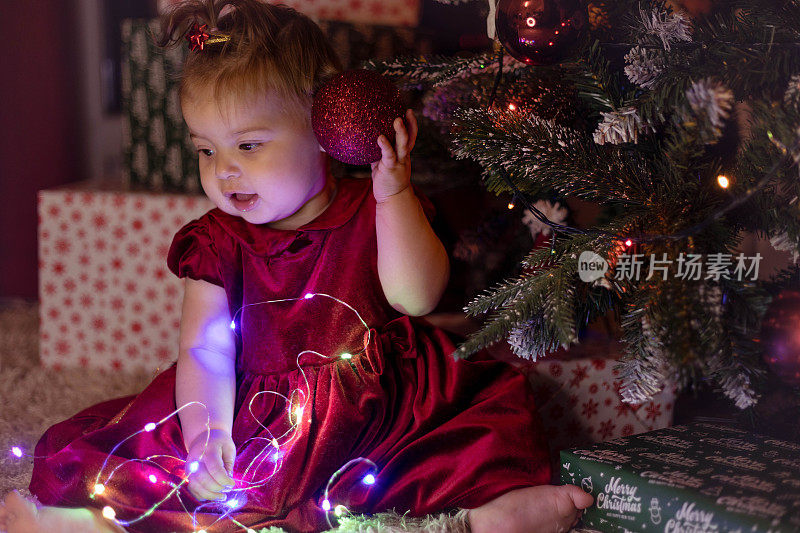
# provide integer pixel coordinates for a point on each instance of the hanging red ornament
(351, 111)
(539, 32)
(780, 336)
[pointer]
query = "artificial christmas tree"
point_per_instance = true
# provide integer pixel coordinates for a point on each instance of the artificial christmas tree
(686, 132)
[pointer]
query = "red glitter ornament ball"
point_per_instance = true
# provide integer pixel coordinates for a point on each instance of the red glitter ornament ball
(780, 337)
(351, 111)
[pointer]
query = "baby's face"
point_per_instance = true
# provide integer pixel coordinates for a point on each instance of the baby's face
(255, 162)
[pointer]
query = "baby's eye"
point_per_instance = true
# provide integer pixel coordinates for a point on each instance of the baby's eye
(205, 151)
(247, 147)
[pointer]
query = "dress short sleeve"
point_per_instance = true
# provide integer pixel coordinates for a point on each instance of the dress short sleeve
(193, 254)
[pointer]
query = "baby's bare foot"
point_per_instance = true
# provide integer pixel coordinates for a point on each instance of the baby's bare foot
(544, 509)
(19, 515)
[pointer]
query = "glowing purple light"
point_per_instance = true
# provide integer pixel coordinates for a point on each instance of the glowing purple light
(16, 450)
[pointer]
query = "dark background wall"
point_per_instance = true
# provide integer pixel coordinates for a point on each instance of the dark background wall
(40, 143)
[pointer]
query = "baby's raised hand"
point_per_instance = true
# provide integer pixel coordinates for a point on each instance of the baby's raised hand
(213, 466)
(392, 173)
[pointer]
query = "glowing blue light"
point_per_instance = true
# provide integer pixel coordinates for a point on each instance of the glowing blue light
(193, 466)
(309, 295)
(232, 503)
(326, 505)
(150, 426)
(233, 325)
(369, 479)
(16, 450)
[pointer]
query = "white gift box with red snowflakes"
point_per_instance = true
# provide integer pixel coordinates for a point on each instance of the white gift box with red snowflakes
(579, 402)
(385, 12)
(107, 300)
(380, 12)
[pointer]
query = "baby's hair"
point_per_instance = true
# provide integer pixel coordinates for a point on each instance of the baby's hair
(272, 49)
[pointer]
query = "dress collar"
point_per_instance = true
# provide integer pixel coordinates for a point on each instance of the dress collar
(263, 240)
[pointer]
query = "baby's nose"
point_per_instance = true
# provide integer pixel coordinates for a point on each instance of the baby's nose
(226, 169)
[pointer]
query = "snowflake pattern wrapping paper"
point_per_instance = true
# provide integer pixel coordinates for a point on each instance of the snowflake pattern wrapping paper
(579, 402)
(107, 299)
(383, 12)
(386, 12)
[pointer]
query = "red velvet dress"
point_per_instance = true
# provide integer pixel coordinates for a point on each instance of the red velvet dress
(443, 434)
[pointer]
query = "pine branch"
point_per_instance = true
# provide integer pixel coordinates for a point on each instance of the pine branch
(639, 368)
(503, 293)
(541, 156)
(595, 81)
(736, 365)
(544, 307)
(439, 70)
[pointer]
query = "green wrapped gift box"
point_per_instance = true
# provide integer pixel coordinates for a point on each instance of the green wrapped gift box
(700, 478)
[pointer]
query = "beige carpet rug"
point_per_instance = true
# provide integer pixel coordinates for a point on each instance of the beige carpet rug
(33, 399)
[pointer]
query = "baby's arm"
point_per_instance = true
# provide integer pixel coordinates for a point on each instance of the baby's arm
(206, 373)
(412, 263)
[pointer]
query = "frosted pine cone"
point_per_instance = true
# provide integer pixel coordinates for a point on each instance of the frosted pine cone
(621, 126)
(643, 66)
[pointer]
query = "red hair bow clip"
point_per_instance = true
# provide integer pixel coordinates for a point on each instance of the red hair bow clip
(197, 36)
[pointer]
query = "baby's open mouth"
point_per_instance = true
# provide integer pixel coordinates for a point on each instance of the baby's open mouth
(244, 201)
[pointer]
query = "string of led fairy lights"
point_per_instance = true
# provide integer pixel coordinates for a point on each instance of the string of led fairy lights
(273, 451)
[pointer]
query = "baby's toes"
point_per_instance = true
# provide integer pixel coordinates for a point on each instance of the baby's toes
(3, 518)
(16, 509)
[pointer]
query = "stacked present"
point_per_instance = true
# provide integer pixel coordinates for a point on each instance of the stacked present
(107, 300)
(385, 12)
(697, 478)
(391, 12)
(577, 394)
